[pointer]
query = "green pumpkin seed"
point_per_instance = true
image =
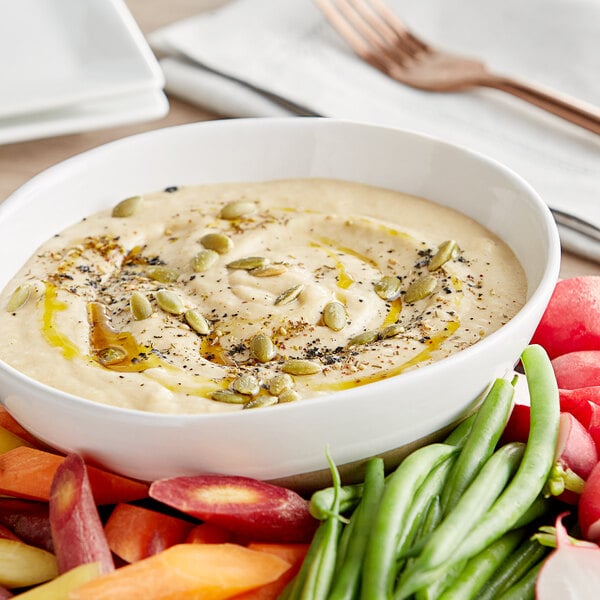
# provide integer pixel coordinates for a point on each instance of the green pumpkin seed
(127, 207)
(204, 260)
(229, 397)
(262, 348)
(290, 294)
(446, 251)
(162, 274)
(140, 306)
(248, 263)
(246, 384)
(392, 331)
(261, 402)
(19, 297)
(197, 322)
(170, 302)
(279, 383)
(367, 337)
(421, 288)
(388, 288)
(269, 270)
(111, 356)
(288, 396)
(219, 242)
(335, 316)
(237, 209)
(299, 366)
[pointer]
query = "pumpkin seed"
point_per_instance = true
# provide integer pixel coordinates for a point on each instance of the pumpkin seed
(421, 288)
(300, 366)
(388, 288)
(229, 397)
(261, 401)
(195, 319)
(19, 297)
(236, 209)
(140, 306)
(204, 260)
(391, 331)
(219, 242)
(335, 316)
(111, 356)
(288, 396)
(162, 274)
(262, 348)
(248, 263)
(269, 270)
(170, 302)
(367, 337)
(246, 384)
(290, 294)
(127, 207)
(279, 383)
(446, 251)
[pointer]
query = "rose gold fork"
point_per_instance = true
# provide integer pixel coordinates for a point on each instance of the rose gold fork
(378, 36)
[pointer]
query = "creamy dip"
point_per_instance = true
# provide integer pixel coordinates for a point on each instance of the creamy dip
(308, 287)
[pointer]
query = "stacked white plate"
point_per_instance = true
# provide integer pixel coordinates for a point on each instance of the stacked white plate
(68, 66)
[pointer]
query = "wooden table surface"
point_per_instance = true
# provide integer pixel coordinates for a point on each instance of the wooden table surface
(20, 161)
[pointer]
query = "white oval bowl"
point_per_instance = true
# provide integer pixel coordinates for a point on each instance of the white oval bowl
(288, 440)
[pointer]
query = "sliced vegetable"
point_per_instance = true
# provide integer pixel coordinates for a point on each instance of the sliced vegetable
(571, 321)
(254, 509)
(76, 527)
(208, 533)
(28, 473)
(23, 565)
(517, 427)
(134, 532)
(7, 421)
(9, 441)
(577, 369)
(589, 506)
(571, 572)
(29, 520)
(186, 572)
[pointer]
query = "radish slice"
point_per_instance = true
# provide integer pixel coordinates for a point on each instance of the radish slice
(571, 572)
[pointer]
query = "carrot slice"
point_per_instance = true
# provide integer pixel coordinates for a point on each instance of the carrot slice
(209, 533)
(28, 473)
(292, 553)
(186, 572)
(28, 520)
(9, 422)
(134, 532)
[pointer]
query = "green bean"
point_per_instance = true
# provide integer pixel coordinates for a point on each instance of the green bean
(528, 554)
(538, 459)
(488, 425)
(322, 500)
(478, 498)
(473, 577)
(347, 579)
(380, 555)
(540, 507)
(459, 434)
(524, 589)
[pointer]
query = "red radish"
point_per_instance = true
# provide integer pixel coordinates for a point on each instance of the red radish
(517, 427)
(576, 402)
(76, 527)
(577, 369)
(571, 572)
(571, 321)
(576, 456)
(254, 509)
(589, 506)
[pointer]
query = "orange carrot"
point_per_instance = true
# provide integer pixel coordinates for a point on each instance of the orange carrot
(209, 533)
(187, 572)
(9, 422)
(28, 473)
(134, 532)
(291, 553)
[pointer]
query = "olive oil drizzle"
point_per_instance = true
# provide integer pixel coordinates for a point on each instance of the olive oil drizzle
(52, 305)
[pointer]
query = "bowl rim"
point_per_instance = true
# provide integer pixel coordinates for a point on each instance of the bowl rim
(547, 279)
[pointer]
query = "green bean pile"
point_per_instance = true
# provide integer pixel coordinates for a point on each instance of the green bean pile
(453, 521)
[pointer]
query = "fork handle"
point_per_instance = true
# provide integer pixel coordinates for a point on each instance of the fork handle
(575, 111)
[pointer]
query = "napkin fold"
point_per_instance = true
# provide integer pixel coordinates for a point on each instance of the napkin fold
(263, 58)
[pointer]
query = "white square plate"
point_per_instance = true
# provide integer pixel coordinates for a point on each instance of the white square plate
(58, 53)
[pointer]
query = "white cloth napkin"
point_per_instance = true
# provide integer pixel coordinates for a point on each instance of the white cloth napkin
(272, 58)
